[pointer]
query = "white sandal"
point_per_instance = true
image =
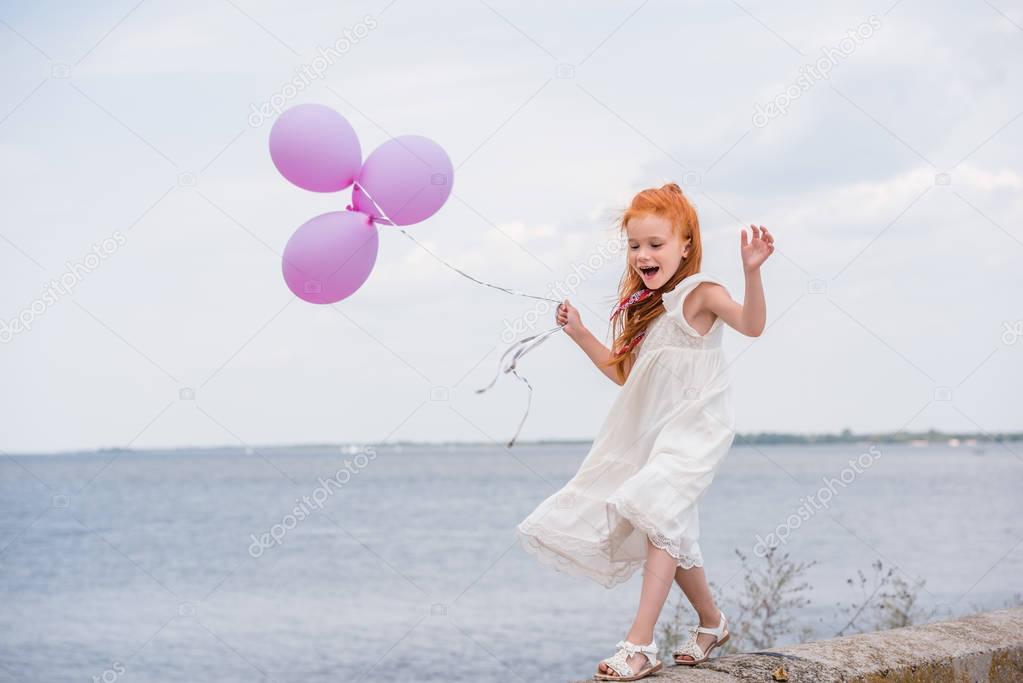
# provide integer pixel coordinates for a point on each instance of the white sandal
(692, 648)
(619, 662)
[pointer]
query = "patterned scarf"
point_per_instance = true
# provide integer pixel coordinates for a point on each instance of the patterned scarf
(634, 298)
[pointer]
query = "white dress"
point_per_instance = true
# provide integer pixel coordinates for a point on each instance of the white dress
(652, 460)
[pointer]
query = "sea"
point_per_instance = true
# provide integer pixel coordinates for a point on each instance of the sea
(399, 562)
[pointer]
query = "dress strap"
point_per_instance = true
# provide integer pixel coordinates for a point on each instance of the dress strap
(674, 299)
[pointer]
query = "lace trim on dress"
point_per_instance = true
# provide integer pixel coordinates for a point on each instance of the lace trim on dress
(672, 546)
(557, 549)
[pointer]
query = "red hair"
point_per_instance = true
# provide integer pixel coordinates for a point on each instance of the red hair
(670, 203)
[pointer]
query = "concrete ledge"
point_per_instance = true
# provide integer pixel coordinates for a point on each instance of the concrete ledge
(974, 649)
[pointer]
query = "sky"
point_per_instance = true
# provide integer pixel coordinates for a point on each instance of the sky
(880, 142)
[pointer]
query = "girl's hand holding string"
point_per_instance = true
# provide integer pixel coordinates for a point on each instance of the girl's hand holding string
(568, 317)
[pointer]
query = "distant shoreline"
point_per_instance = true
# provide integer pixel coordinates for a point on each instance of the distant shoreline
(928, 438)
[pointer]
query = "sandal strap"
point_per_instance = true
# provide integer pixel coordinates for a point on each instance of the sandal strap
(619, 661)
(718, 631)
(634, 648)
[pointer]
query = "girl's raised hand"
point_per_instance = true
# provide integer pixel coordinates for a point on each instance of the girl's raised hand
(756, 249)
(568, 317)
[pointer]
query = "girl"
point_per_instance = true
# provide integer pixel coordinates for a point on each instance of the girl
(634, 499)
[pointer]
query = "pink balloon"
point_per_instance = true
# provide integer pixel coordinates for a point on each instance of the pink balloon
(409, 176)
(315, 148)
(330, 256)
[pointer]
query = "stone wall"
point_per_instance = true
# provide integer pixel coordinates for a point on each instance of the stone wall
(974, 649)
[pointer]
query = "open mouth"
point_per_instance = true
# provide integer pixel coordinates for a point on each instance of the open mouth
(649, 271)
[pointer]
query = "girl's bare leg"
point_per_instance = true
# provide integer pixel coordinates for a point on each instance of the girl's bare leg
(658, 573)
(693, 583)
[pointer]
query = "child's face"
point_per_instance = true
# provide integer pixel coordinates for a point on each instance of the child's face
(655, 252)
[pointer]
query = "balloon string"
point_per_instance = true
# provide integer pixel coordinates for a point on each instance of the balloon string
(384, 217)
(518, 349)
